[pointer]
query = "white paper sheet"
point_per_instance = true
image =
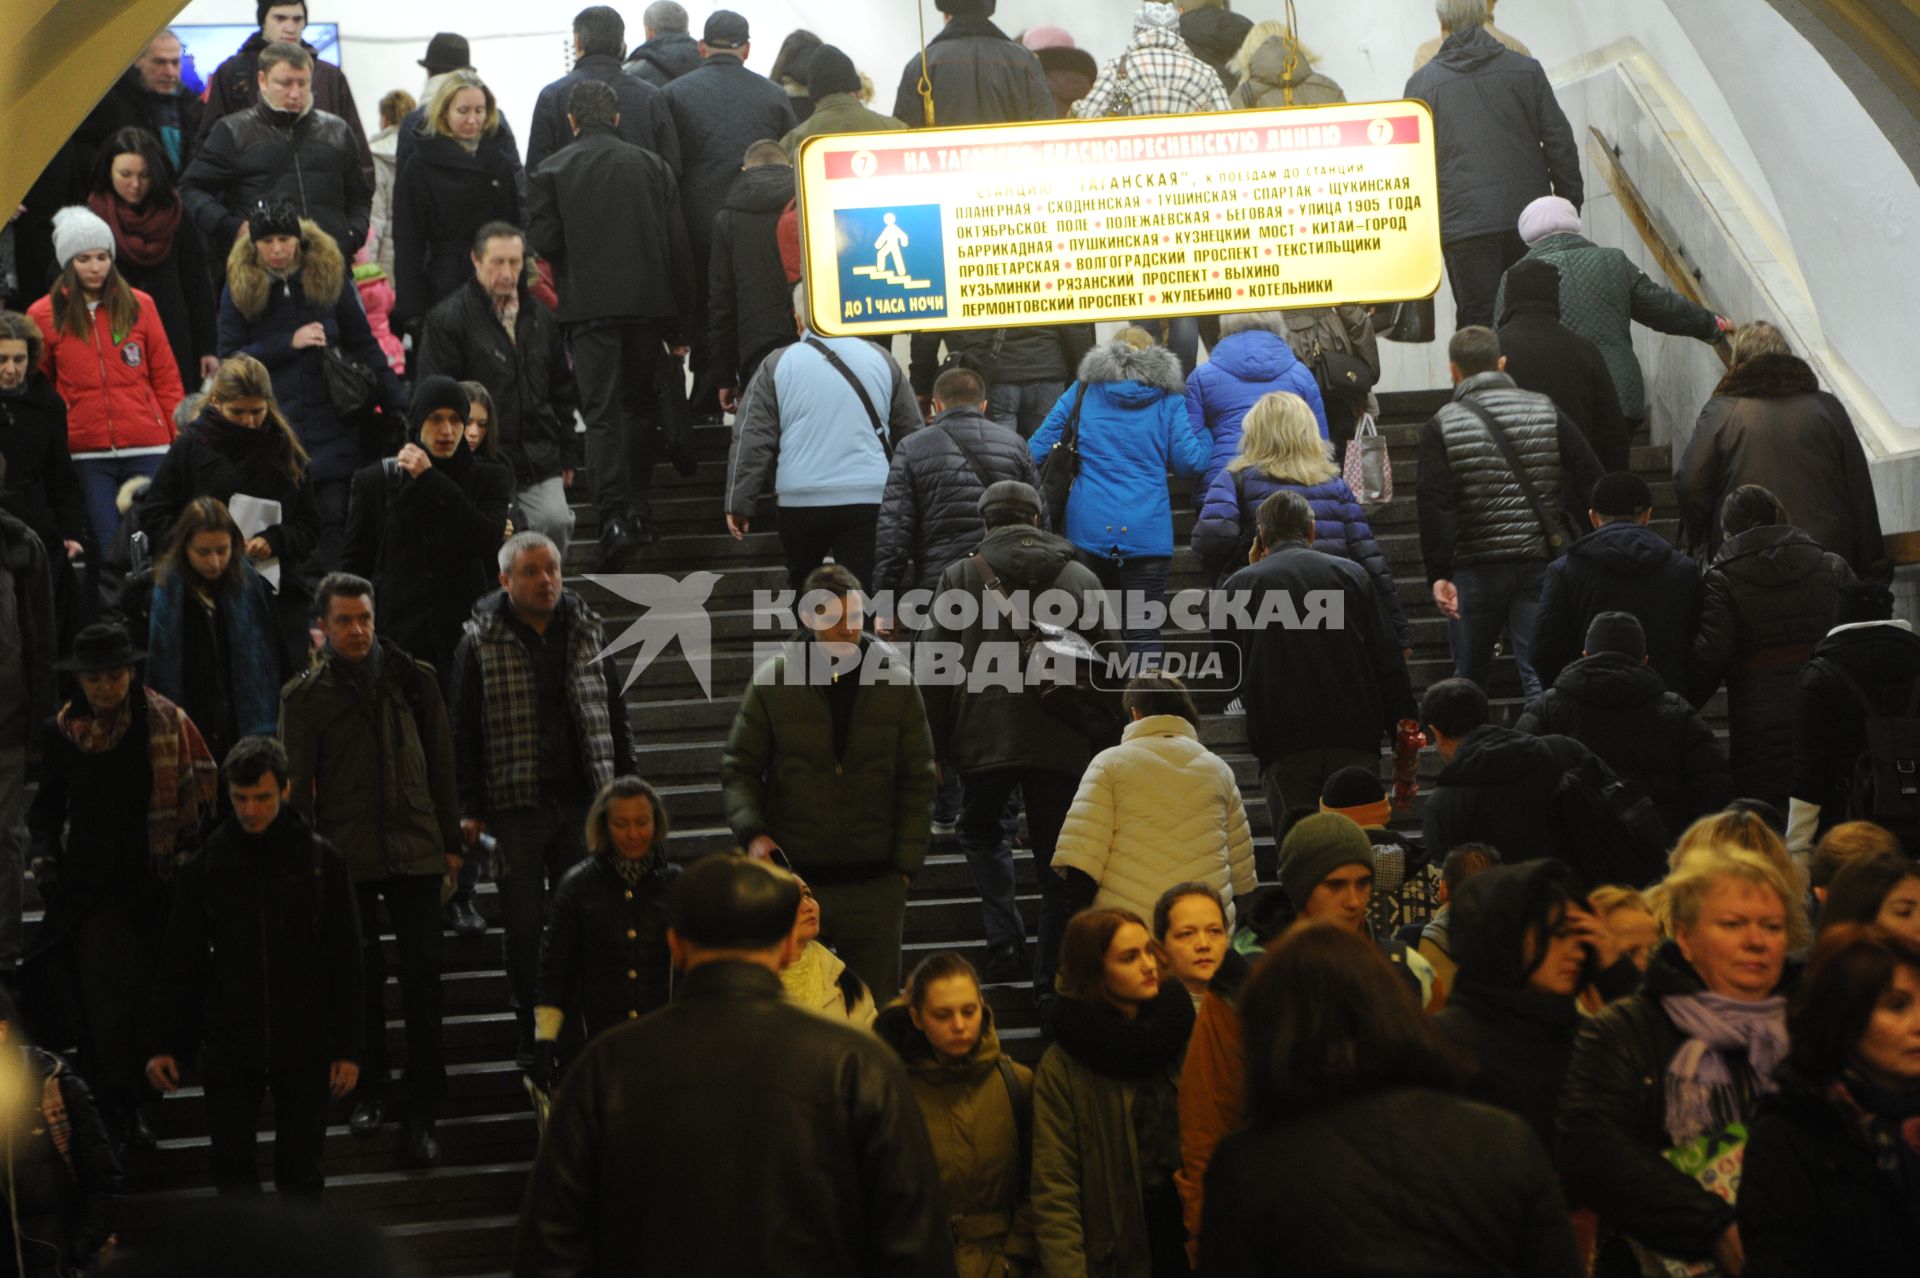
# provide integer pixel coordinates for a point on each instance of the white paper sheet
(254, 514)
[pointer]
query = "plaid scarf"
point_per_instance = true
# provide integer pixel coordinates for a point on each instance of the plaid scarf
(185, 776)
(508, 313)
(1888, 1121)
(53, 1110)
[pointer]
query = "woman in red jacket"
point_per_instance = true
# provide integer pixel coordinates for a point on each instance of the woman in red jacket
(108, 356)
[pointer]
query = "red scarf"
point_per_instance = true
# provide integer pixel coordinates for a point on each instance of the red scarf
(144, 235)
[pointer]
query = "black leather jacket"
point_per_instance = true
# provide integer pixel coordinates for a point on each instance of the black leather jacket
(603, 955)
(733, 1132)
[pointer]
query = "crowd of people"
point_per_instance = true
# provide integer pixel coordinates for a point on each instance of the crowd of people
(289, 457)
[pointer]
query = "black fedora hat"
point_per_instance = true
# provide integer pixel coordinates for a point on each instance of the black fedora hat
(100, 647)
(447, 51)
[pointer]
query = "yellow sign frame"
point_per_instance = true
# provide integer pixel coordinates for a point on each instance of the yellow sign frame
(1081, 221)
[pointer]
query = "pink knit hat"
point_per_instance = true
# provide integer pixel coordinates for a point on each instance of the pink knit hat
(1039, 38)
(1548, 215)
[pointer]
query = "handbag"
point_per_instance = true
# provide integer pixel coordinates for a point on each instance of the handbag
(1062, 466)
(1367, 468)
(1716, 1160)
(1073, 696)
(1344, 378)
(352, 387)
(1556, 531)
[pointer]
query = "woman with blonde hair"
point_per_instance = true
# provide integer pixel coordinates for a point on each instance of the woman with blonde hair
(1276, 70)
(1735, 828)
(1670, 1075)
(462, 173)
(1282, 450)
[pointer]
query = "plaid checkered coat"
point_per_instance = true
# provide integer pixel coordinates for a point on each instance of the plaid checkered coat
(1155, 75)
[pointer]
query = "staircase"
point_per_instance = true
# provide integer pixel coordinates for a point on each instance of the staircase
(458, 1219)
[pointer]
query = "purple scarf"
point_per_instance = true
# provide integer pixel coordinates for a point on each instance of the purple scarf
(1702, 1095)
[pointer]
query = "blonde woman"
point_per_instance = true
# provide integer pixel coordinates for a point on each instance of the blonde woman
(463, 173)
(1282, 450)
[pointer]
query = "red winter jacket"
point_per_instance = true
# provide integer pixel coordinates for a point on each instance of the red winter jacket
(120, 395)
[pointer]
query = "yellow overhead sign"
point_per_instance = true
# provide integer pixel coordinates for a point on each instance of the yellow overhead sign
(1073, 221)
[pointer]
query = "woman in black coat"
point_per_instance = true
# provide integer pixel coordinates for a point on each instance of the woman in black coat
(156, 246)
(1832, 1177)
(463, 173)
(1768, 597)
(39, 488)
(1680, 1064)
(1358, 1155)
(603, 955)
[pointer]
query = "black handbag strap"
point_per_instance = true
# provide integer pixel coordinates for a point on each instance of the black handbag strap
(973, 462)
(1070, 429)
(1549, 527)
(873, 414)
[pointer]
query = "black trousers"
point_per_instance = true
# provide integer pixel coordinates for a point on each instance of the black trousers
(413, 907)
(808, 534)
(234, 1092)
(1475, 264)
(115, 949)
(615, 364)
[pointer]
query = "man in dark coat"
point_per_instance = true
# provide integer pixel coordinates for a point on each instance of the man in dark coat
(425, 527)
(1621, 566)
(599, 40)
(719, 109)
(38, 485)
(1612, 702)
(749, 302)
(526, 371)
(1502, 143)
(1867, 658)
(669, 52)
(980, 74)
(1545, 355)
(1322, 695)
(150, 96)
(262, 968)
(280, 148)
(998, 739)
(27, 699)
(372, 767)
(234, 86)
(627, 1184)
(930, 511)
(606, 213)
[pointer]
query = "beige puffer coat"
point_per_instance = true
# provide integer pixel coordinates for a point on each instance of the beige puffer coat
(1156, 810)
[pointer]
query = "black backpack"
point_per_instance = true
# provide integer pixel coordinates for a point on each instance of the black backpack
(1606, 826)
(1886, 775)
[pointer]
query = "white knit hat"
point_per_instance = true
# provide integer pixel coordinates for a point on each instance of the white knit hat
(78, 229)
(1166, 17)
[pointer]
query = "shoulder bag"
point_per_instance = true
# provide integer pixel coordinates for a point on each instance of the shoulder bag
(1062, 466)
(873, 415)
(1554, 529)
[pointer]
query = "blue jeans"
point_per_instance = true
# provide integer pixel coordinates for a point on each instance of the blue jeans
(1494, 597)
(1138, 580)
(1022, 406)
(100, 480)
(983, 839)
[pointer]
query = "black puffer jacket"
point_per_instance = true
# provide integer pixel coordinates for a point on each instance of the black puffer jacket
(719, 109)
(930, 511)
(64, 1203)
(1335, 1193)
(528, 375)
(1499, 788)
(1502, 139)
(442, 196)
(838, 1104)
(603, 954)
(750, 303)
(1042, 353)
(42, 489)
(1812, 1201)
(664, 59)
(1472, 509)
(1619, 709)
(1619, 567)
(977, 731)
(262, 956)
(1613, 1125)
(980, 75)
(312, 161)
(1769, 423)
(1769, 598)
(1829, 724)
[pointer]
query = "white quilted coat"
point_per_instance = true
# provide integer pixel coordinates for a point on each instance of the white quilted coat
(1156, 810)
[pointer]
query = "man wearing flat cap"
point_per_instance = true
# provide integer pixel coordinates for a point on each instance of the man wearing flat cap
(673, 1148)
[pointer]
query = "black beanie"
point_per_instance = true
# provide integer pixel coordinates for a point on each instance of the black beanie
(830, 71)
(1352, 788)
(1863, 601)
(1533, 280)
(436, 392)
(261, 7)
(1619, 632)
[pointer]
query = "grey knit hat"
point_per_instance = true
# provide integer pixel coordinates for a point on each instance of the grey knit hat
(1315, 847)
(78, 229)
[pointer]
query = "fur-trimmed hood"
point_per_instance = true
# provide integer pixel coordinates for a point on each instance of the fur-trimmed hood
(1156, 367)
(1769, 376)
(321, 274)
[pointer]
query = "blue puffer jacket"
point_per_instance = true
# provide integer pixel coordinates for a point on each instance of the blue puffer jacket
(1339, 527)
(1237, 373)
(1133, 430)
